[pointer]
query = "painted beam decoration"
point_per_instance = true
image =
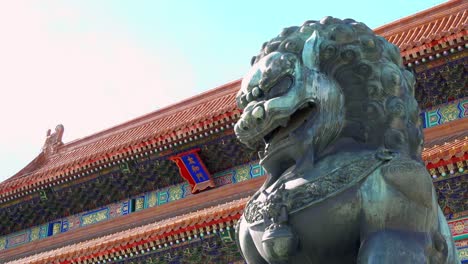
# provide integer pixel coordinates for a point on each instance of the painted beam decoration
(446, 113)
(193, 170)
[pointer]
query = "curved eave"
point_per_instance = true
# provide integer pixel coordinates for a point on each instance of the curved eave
(147, 236)
(442, 23)
(154, 130)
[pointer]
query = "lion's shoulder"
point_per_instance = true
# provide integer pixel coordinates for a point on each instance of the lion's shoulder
(409, 177)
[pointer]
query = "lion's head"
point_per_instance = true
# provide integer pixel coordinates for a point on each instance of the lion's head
(323, 83)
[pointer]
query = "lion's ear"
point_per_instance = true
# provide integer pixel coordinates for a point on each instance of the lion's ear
(310, 53)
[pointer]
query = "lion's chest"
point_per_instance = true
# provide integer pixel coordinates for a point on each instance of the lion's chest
(325, 230)
(323, 212)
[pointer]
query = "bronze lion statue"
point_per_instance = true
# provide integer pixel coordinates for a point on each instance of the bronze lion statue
(335, 110)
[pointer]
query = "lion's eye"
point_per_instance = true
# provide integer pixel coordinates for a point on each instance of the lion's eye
(281, 87)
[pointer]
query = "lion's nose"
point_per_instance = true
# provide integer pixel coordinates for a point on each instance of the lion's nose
(248, 121)
(243, 99)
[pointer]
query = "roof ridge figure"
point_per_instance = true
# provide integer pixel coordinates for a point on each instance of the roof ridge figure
(53, 140)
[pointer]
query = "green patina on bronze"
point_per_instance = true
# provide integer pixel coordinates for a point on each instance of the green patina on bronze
(335, 112)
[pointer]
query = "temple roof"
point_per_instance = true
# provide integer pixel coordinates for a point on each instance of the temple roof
(157, 128)
(445, 22)
(153, 234)
(202, 112)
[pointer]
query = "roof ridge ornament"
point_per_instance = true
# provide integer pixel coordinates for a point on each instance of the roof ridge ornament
(53, 140)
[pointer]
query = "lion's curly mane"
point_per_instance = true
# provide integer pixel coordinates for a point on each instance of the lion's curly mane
(380, 109)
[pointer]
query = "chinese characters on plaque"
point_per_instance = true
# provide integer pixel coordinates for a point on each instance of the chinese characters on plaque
(193, 170)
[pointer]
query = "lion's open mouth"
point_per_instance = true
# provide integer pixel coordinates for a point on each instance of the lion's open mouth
(296, 120)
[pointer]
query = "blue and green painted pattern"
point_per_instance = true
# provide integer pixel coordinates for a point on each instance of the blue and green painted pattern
(446, 113)
(134, 204)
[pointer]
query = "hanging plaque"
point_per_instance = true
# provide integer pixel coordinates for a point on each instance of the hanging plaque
(193, 170)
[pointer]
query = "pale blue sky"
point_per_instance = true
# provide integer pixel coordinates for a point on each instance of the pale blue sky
(92, 64)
